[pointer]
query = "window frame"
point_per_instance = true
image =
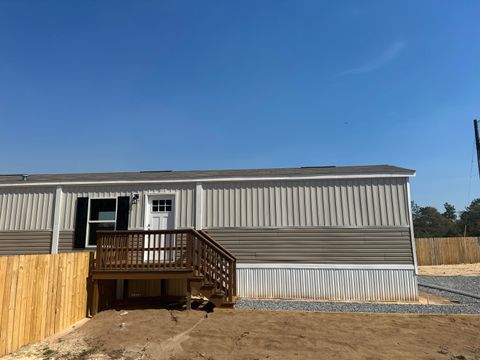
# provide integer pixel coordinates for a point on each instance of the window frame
(167, 205)
(87, 235)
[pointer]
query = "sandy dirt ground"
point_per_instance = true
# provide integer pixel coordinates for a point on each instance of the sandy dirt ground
(241, 334)
(450, 270)
(431, 299)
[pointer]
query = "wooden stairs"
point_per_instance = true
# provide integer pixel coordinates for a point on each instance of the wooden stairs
(200, 287)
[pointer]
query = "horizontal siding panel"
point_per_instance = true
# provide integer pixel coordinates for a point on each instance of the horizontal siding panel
(340, 202)
(320, 245)
(65, 241)
(25, 242)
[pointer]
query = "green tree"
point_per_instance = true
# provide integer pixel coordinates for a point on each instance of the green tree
(471, 218)
(415, 210)
(450, 213)
(430, 223)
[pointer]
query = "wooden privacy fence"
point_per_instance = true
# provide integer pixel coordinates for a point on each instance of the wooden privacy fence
(448, 250)
(40, 295)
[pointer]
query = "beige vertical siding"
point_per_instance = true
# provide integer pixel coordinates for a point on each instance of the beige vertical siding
(315, 203)
(185, 202)
(26, 209)
(353, 203)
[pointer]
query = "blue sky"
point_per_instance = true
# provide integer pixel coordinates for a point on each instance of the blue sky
(145, 85)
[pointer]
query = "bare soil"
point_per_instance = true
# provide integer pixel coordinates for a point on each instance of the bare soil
(431, 299)
(450, 270)
(241, 334)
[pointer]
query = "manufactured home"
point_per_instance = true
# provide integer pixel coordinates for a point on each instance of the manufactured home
(322, 233)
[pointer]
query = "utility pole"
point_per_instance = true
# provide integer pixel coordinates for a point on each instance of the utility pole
(477, 143)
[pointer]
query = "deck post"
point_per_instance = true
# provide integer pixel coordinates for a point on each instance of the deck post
(190, 250)
(189, 295)
(95, 297)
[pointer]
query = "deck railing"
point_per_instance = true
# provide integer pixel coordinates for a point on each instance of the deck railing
(167, 250)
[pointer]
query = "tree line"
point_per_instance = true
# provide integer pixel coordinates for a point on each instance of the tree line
(429, 222)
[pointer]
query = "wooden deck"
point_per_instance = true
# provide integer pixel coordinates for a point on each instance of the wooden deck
(165, 254)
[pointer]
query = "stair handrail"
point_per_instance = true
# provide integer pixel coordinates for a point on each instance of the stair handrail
(227, 277)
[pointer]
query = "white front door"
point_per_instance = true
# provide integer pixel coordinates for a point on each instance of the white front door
(160, 216)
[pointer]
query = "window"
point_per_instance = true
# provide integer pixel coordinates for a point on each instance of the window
(161, 205)
(102, 216)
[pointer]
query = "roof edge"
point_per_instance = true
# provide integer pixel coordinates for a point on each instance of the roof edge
(207, 180)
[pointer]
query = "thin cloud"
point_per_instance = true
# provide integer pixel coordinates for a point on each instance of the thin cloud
(385, 57)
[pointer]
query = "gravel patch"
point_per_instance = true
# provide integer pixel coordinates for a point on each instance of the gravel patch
(321, 306)
(468, 284)
(462, 304)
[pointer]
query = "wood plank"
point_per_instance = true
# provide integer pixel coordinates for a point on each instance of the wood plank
(12, 303)
(3, 281)
(69, 289)
(139, 275)
(5, 308)
(45, 270)
(52, 291)
(6, 304)
(79, 271)
(20, 308)
(27, 299)
(60, 293)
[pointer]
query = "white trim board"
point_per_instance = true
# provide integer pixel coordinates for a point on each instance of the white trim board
(198, 206)
(56, 220)
(325, 266)
(412, 234)
(205, 180)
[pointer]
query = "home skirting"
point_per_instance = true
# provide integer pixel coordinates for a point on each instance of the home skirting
(327, 282)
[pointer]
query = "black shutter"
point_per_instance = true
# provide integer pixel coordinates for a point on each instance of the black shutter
(123, 207)
(81, 223)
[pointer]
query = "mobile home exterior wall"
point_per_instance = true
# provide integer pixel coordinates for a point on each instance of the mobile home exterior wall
(330, 233)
